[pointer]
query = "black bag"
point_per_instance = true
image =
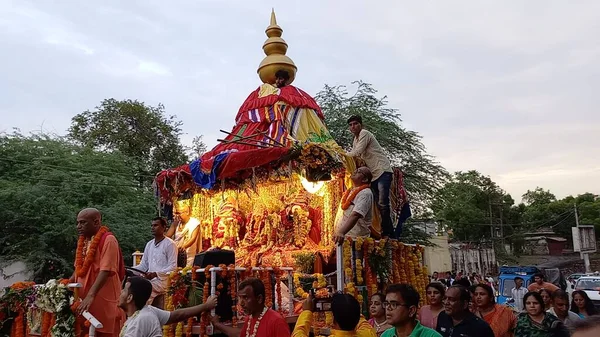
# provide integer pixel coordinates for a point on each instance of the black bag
(181, 258)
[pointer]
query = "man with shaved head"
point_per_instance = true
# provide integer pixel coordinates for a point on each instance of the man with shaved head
(98, 267)
(357, 204)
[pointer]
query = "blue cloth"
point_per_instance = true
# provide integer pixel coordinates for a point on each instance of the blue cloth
(405, 213)
(207, 180)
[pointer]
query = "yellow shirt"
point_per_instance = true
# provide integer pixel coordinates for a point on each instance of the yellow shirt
(302, 329)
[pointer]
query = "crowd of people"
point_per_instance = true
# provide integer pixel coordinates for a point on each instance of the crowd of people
(458, 305)
(540, 310)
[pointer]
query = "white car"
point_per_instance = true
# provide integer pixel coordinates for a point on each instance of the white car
(591, 286)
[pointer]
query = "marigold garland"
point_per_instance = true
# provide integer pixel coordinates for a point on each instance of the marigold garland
(278, 273)
(204, 317)
(347, 258)
(298, 287)
(46, 321)
(233, 294)
(350, 194)
(169, 330)
(179, 330)
(18, 326)
(266, 278)
(83, 260)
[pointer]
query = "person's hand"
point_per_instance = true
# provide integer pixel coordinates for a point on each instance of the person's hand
(211, 302)
(85, 304)
(214, 319)
(338, 238)
(150, 276)
(308, 303)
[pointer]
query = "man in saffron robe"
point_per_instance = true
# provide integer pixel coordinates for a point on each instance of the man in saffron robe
(97, 268)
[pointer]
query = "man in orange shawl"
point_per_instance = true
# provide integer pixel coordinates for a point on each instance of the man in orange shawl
(97, 268)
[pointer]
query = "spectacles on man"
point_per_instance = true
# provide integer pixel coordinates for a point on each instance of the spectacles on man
(392, 305)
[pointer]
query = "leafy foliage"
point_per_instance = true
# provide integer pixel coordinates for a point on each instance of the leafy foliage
(423, 175)
(464, 205)
(45, 181)
(140, 132)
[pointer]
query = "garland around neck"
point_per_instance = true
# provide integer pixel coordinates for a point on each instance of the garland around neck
(256, 324)
(83, 260)
(350, 194)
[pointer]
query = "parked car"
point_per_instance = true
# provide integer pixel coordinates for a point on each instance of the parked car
(591, 286)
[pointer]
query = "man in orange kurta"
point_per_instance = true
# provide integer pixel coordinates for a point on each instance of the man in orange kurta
(98, 271)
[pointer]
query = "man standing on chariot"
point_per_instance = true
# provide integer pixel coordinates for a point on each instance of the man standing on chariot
(366, 147)
(160, 258)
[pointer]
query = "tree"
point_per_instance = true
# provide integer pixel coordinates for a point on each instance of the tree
(45, 181)
(140, 132)
(468, 202)
(198, 147)
(539, 196)
(423, 175)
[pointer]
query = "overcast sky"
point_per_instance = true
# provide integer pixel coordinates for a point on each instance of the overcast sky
(509, 88)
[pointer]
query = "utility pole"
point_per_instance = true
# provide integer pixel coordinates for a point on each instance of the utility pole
(584, 256)
(491, 220)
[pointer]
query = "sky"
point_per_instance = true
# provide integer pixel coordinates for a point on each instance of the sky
(502, 87)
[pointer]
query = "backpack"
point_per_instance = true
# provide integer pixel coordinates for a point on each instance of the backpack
(121, 270)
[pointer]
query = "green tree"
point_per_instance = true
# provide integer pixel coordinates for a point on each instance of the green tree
(45, 181)
(470, 203)
(423, 175)
(539, 196)
(139, 131)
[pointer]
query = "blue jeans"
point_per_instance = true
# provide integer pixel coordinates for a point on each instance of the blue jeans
(381, 194)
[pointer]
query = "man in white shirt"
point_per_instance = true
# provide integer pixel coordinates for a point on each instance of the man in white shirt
(159, 259)
(185, 231)
(518, 292)
(366, 146)
(357, 205)
(147, 321)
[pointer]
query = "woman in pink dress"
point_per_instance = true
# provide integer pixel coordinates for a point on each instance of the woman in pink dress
(429, 313)
(377, 311)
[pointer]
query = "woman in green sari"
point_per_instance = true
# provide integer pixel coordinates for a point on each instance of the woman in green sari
(536, 322)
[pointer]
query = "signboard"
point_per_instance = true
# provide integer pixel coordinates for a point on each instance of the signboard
(584, 239)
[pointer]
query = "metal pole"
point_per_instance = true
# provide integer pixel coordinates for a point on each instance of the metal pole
(291, 291)
(340, 267)
(585, 256)
(213, 285)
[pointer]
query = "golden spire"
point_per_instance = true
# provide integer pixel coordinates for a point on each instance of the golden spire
(275, 48)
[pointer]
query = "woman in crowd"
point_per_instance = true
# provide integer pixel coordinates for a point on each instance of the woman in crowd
(377, 311)
(500, 317)
(547, 297)
(582, 304)
(429, 313)
(535, 321)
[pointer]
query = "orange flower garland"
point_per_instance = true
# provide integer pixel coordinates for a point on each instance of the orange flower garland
(349, 196)
(46, 320)
(232, 293)
(18, 327)
(83, 260)
(278, 274)
(370, 277)
(21, 285)
(190, 321)
(266, 278)
(204, 317)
